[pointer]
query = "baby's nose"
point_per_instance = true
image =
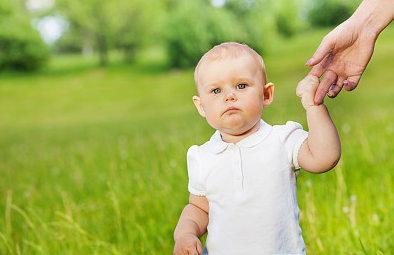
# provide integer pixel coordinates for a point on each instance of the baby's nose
(231, 96)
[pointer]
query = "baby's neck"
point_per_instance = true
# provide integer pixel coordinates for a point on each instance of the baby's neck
(231, 138)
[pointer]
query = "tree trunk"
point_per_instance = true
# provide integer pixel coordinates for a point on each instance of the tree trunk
(102, 45)
(129, 54)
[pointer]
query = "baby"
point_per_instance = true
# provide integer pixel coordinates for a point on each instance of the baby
(242, 182)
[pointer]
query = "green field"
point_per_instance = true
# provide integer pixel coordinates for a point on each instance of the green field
(93, 160)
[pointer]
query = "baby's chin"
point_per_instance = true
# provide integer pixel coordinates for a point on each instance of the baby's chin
(238, 127)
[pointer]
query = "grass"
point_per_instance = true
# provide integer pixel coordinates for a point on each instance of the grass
(93, 160)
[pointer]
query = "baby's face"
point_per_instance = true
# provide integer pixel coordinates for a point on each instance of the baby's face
(231, 93)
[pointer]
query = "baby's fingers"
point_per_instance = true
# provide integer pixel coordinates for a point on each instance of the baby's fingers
(301, 88)
(196, 251)
(309, 83)
(188, 245)
(199, 248)
(306, 90)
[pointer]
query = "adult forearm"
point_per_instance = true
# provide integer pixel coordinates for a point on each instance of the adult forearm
(323, 140)
(374, 15)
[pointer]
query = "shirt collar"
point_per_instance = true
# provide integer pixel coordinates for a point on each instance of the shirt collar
(217, 145)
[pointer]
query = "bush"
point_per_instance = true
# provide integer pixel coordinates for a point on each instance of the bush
(197, 26)
(191, 32)
(286, 17)
(21, 47)
(328, 13)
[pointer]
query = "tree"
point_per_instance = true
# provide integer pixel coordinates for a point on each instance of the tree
(21, 46)
(196, 26)
(326, 13)
(287, 17)
(138, 26)
(123, 24)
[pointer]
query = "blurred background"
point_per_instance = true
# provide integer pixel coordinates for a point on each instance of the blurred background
(35, 31)
(96, 118)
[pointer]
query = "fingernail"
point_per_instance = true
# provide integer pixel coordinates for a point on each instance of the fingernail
(309, 61)
(345, 83)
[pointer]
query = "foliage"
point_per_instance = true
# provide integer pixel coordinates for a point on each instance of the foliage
(287, 17)
(326, 13)
(123, 24)
(194, 27)
(70, 42)
(21, 46)
(257, 19)
(137, 27)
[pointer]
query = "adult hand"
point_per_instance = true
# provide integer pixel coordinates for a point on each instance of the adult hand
(343, 56)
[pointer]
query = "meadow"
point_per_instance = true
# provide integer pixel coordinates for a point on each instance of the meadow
(93, 160)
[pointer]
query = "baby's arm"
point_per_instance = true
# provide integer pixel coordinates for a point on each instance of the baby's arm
(192, 225)
(321, 151)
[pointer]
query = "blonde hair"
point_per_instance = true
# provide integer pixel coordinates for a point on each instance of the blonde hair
(227, 50)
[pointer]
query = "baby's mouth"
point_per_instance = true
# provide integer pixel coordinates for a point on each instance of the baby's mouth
(231, 109)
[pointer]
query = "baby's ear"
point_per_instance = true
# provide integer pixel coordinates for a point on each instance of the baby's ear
(197, 103)
(268, 94)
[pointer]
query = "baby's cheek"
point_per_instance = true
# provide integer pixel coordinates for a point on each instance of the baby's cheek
(256, 109)
(212, 121)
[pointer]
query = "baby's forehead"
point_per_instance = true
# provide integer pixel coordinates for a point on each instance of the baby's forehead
(229, 51)
(247, 58)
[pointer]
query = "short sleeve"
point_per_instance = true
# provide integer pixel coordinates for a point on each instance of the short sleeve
(196, 185)
(292, 136)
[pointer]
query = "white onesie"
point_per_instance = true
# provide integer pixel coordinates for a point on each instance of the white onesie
(251, 190)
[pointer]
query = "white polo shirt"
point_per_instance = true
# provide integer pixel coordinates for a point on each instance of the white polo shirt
(251, 190)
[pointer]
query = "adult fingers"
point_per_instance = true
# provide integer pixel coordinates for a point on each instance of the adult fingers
(336, 88)
(329, 78)
(352, 82)
(317, 70)
(325, 47)
(334, 91)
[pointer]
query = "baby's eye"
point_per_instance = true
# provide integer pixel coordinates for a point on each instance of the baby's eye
(216, 91)
(241, 86)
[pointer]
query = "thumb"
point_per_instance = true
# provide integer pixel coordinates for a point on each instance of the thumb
(325, 47)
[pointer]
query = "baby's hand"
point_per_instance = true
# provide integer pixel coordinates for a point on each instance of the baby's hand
(306, 90)
(188, 244)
